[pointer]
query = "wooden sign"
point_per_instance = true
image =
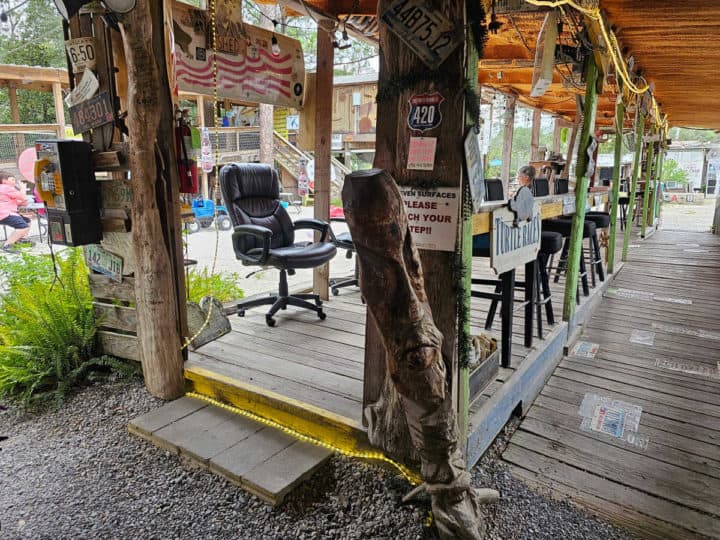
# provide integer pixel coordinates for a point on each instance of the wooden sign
(432, 216)
(81, 52)
(247, 70)
(429, 34)
(92, 113)
(104, 262)
(513, 246)
(476, 176)
(568, 205)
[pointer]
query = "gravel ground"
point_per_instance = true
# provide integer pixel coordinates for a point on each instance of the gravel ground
(77, 473)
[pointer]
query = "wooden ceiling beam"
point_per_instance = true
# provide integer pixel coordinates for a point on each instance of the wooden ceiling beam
(340, 7)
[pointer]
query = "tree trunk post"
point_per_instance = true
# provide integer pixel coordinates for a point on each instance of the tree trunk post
(619, 114)
(581, 190)
(265, 111)
(639, 129)
(535, 136)
(155, 288)
(648, 181)
(323, 140)
(508, 130)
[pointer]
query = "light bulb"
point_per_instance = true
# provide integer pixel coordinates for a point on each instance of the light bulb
(275, 47)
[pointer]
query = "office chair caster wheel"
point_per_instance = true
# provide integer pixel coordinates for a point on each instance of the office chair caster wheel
(269, 320)
(318, 302)
(241, 313)
(335, 291)
(322, 315)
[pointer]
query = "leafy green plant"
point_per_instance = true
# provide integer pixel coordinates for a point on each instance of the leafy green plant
(47, 328)
(223, 286)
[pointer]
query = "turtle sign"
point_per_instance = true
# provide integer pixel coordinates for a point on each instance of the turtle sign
(425, 111)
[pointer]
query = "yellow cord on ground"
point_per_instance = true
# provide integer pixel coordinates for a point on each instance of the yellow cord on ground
(362, 454)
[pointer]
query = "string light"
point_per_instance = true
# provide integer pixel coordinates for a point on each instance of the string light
(409, 475)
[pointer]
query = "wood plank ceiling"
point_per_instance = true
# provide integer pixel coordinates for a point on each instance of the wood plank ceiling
(675, 43)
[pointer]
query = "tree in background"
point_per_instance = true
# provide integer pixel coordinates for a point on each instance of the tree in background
(31, 36)
(672, 172)
(520, 150)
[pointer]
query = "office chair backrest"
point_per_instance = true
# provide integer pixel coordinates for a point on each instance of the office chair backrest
(562, 185)
(541, 186)
(494, 190)
(251, 192)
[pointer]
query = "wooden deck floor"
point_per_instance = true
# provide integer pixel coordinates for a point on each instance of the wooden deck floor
(658, 330)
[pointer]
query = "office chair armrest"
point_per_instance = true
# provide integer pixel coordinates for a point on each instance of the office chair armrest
(315, 224)
(338, 219)
(261, 233)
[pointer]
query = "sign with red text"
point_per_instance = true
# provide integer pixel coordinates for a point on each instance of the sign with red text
(421, 153)
(432, 216)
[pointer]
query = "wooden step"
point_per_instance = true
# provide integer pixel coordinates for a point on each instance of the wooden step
(262, 460)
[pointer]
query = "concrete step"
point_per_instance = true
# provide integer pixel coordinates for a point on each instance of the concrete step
(262, 460)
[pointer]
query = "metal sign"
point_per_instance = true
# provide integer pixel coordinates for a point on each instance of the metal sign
(94, 112)
(512, 246)
(429, 34)
(104, 262)
(81, 52)
(476, 177)
(425, 111)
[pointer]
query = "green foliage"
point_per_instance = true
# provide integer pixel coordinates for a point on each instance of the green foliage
(47, 327)
(33, 36)
(223, 286)
(672, 172)
(520, 150)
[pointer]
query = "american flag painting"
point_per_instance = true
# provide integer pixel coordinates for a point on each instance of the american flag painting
(256, 76)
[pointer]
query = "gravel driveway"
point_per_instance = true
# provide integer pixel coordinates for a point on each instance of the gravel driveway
(77, 473)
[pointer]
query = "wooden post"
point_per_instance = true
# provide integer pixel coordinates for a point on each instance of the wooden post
(658, 174)
(716, 217)
(661, 161)
(581, 190)
(535, 136)
(571, 148)
(265, 111)
(59, 105)
(556, 136)
(200, 102)
(323, 141)
(648, 182)
(619, 114)
(508, 129)
(15, 116)
(639, 129)
(155, 290)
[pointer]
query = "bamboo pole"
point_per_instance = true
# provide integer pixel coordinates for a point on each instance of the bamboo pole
(648, 182)
(619, 113)
(581, 189)
(639, 128)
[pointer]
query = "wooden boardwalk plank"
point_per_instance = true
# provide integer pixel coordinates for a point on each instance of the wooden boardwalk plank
(671, 487)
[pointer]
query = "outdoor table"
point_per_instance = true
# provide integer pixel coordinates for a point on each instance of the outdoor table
(33, 207)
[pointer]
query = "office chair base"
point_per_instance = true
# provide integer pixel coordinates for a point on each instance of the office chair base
(337, 284)
(282, 300)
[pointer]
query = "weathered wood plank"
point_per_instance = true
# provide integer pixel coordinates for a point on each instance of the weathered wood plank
(115, 317)
(104, 287)
(167, 414)
(119, 345)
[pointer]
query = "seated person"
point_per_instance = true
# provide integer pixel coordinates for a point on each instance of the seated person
(10, 199)
(525, 176)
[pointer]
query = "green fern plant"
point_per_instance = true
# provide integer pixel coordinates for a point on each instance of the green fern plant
(223, 286)
(47, 331)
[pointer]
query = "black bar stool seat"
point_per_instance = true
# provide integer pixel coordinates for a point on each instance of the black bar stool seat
(563, 225)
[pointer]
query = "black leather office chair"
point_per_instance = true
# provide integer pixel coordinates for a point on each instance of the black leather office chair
(541, 186)
(264, 234)
(562, 185)
(494, 190)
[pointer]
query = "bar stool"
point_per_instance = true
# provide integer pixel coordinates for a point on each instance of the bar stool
(550, 244)
(564, 227)
(602, 221)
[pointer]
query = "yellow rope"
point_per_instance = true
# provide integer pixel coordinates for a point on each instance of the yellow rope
(613, 48)
(362, 454)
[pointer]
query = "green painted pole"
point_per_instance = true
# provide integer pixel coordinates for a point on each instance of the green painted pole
(639, 128)
(619, 114)
(581, 190)
(648, 183)
(657, 176)
(661, 163)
